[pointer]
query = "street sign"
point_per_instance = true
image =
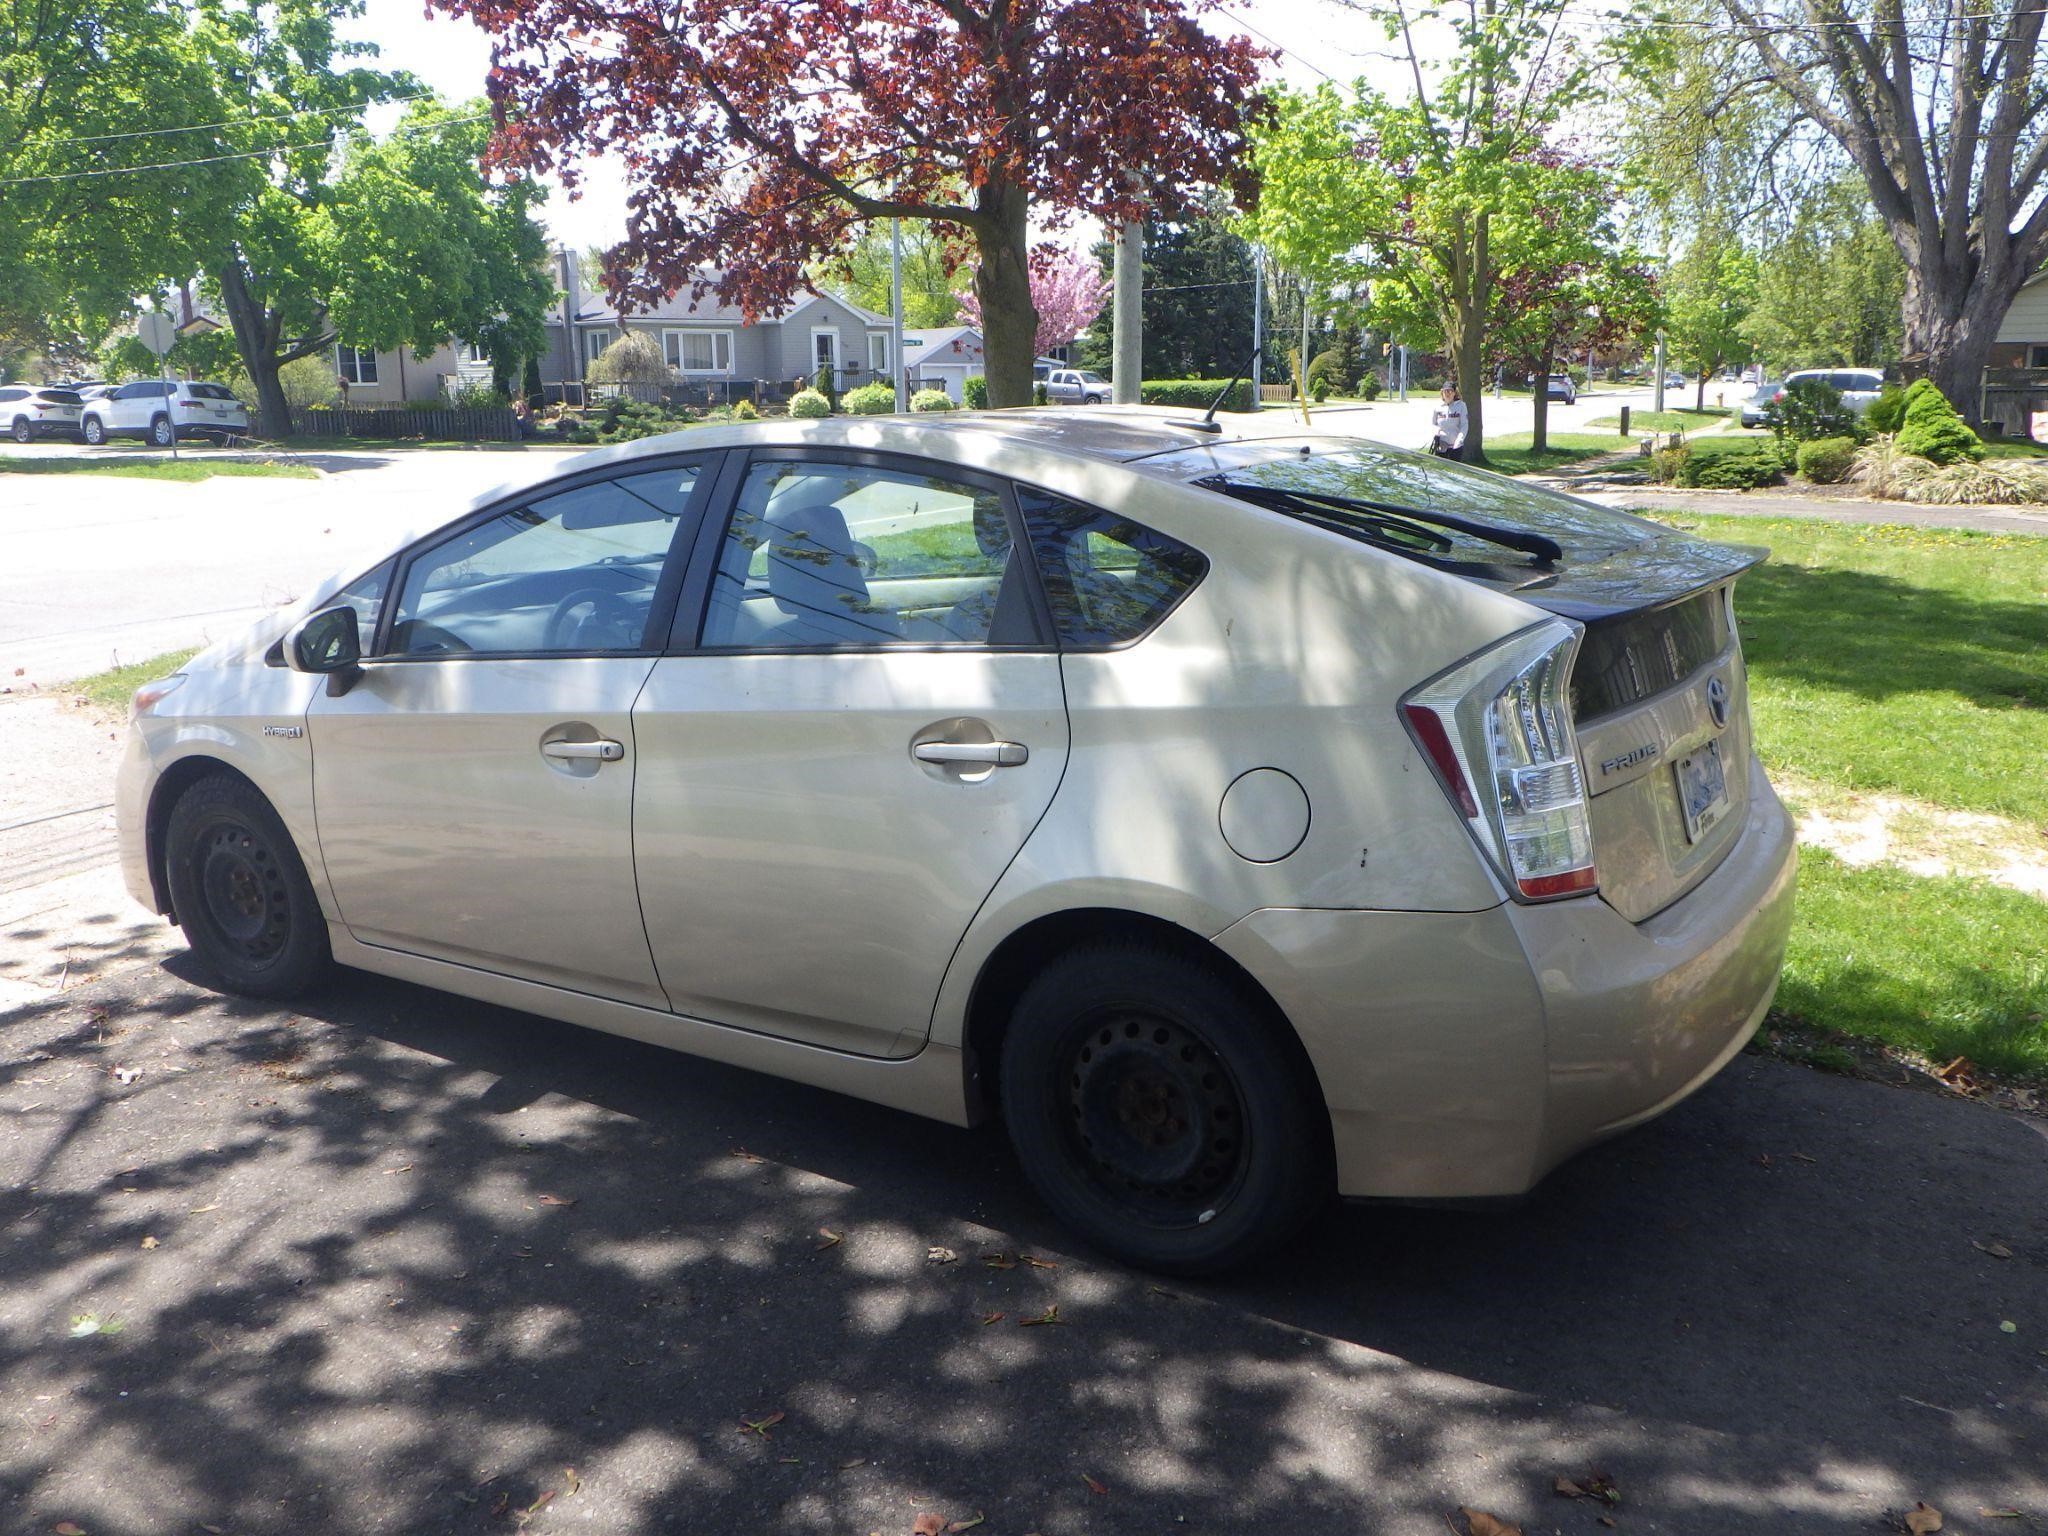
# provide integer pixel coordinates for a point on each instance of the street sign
(155, 331)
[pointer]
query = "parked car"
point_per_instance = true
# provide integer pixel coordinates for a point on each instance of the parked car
(1674, 381)
(1076, 386)
(1559, 386)
(1064, 763)
(1759, 401)
(1859, 387)
(30, 411)
(163, 412)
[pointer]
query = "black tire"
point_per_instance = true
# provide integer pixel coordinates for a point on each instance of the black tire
(23, 432)
(94, 431)
(1159, 1110)
(240, 891)
(161, 432)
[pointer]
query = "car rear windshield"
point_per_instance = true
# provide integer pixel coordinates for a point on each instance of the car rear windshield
(1391, 480)
(60, 396)
(209, 392)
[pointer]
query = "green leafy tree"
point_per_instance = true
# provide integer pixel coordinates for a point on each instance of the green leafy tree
(1829, 284)
(933, 273)
(1197, 296)
(1711, 289)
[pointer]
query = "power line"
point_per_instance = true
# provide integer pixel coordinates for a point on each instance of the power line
(233, 122)
(248, 154)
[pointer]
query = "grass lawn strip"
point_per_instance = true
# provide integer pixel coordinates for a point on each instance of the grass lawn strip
(1861, 830)
(110, 690)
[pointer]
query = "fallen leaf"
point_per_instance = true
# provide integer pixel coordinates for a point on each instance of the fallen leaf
(201, 1210)
(1025, 1258)
(1048, 1318)
(65, 1527)
(999, 1261)
(761, 1426)
(966, 1525)
(1566, 1488)
(828, 1238)
(1804, 1158)
(927, 1524)
(1999, 1514)
(536, 1506)
(2008, 1326)
(149, 1242)
(1955, 1071)
(401, 1168)
(569, 1476)
(747, 1157)
(1996, 1250)
(857, 1461)
(991, 1317)
(1923, 1519)
(937, 1255)
(1607, 1521)
(1479, 1523)
(1093, 1485)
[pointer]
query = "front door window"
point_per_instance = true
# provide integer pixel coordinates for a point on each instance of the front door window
(825, 350)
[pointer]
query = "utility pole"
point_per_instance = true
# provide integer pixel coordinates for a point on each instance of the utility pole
(1127, 313)
(1660, 372)
(1258, 326)
(900, 380)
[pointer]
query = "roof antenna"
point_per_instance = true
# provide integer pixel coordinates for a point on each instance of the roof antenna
(1208, 423)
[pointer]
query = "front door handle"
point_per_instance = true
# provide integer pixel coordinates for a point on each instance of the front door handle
(994, 754)
(599, 751)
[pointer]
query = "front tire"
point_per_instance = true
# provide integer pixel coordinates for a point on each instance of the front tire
(1158, 1108)
(94, 430)
(161, 432)
(241, 892)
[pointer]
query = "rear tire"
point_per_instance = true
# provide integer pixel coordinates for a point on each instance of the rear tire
(1158, 1108)
(161, 432)
(241, 892)
(23, 432)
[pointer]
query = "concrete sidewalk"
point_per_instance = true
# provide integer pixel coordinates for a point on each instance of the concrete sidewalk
(397, 1263)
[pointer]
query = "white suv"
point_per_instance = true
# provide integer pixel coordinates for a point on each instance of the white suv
(28, 411)
(1076, 386)
(162, 412)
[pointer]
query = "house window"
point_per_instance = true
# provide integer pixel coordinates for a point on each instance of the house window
(878, 351)
(2037, 357)
(594, 343)
(698, 351)
(472, 353)
(355, 365)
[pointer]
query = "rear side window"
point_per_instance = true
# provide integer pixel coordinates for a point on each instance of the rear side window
(209, 392)
(1109, 581)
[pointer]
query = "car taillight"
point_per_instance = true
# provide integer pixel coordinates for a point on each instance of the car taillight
(1497, 728)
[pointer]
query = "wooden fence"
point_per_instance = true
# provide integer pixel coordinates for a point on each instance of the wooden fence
(444, 424)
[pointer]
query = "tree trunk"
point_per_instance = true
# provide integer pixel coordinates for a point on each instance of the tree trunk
(1465, 336)
(1540, 438)
(1949, 331)
(256, 341)
(1009, 320)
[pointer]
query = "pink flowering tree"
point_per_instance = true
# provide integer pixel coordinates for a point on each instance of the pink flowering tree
(1067, 289)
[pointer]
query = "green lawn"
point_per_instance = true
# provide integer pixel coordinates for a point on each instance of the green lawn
(1511, 453)
(2013, 448)
(110, 690)
(1912, 663)
(1684, 420)
(183, 470)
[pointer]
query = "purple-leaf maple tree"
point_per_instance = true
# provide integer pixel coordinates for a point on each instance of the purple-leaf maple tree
(758, 136)
(1068, 291)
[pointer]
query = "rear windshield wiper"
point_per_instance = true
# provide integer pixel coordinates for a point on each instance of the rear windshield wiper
(1380, 516)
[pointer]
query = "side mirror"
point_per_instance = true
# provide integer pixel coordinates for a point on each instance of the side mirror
(327, 642)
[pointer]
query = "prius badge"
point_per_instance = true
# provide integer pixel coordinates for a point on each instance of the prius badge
(1717, 700)
(292, 732)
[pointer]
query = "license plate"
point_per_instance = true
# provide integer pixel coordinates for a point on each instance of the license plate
(1702, 790)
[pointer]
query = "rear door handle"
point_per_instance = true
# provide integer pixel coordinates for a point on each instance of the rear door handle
(996, 754)
(601, 751)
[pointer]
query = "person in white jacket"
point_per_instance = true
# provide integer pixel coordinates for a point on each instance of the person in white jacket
(1448, 419)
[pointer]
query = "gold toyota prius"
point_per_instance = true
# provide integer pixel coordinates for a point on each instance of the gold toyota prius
(1240, 817)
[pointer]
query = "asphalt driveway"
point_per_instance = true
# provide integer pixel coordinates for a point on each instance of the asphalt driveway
(399, 1263)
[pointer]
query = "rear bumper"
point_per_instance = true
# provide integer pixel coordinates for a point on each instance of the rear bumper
(1467, 1054)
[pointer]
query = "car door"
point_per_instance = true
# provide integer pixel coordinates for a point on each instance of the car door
(848, 748)
(1060, 386)
(473, 791)
(133, 405)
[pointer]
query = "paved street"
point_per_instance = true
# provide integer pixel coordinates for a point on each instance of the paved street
(392, 1262)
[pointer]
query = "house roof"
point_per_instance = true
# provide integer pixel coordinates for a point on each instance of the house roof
(680, 307)
(946, 344)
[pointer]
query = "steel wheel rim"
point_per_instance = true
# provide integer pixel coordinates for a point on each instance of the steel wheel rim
(248, 901)
(1152, 1117)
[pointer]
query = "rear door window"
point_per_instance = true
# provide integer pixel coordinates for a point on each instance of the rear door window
(1109, 581)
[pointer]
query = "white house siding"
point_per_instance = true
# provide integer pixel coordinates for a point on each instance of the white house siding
(2023, 338)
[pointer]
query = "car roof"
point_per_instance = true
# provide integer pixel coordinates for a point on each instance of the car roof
(1108, 433)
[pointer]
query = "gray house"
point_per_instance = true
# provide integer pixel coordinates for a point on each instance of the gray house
(709, 343)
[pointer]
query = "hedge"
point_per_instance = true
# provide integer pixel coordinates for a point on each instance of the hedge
(1197, 393)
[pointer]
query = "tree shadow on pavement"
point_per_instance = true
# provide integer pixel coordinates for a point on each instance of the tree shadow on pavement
(398, 1262)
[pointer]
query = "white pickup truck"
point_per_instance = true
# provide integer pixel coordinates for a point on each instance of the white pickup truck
(1076, 386)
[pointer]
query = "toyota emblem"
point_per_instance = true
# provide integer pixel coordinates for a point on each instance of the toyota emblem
(1717, 700)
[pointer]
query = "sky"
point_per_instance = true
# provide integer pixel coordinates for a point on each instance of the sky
(1321, 40)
